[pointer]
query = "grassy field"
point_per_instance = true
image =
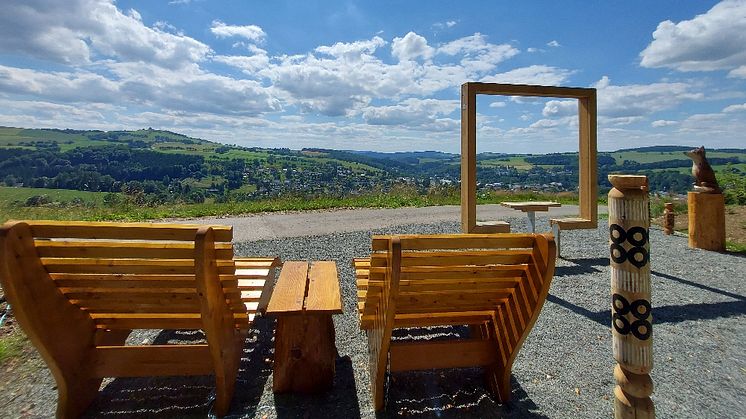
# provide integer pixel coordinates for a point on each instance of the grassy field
(78, 205)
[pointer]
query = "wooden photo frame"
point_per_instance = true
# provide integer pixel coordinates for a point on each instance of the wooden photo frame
(588, 182)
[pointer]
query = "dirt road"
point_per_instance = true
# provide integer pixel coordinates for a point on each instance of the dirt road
(311, 223)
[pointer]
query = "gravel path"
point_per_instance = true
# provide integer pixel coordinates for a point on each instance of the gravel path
(563, 370)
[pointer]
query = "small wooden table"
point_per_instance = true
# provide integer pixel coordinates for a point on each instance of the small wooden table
(530, 209)
(303, 300)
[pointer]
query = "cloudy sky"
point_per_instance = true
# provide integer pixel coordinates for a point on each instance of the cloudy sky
(377, 75)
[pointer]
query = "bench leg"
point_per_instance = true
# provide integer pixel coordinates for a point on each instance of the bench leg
(225, 377)
(556, 231)
(305, 353)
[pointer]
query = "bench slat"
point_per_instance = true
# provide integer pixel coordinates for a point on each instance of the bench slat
(124, 231)
(122, 249)
(323, 288)
(290, 289)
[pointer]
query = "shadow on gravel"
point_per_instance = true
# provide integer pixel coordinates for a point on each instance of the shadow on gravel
(339, 402)
(581, 266)
(698, 285)
(170, 397)
(670, 314)
(454, 393)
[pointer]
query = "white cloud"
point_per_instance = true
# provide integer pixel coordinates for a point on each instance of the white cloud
(711, 41)
(555, 108)
(553, 44)
(633, 100)
(415, 113)
(479, 55)
(735, 108)
(446, 24)
(251, 32)
(534, 74)
(739, 72)
(663, 123)
(353, 51)
(78, 32)
(74, 87)
(410, 47)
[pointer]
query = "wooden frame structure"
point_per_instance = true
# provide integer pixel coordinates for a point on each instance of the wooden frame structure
(588, 182)
(494, 283)
(78, 289)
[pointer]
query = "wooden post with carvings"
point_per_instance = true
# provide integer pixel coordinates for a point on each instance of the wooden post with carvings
(631, 312)
(669, 219)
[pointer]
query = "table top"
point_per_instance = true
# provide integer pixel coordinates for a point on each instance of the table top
(527, 206)
(319, 278)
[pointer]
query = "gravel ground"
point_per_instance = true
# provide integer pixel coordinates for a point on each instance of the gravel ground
(563, 370)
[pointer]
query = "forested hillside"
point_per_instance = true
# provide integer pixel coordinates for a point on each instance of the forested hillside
(151, 167)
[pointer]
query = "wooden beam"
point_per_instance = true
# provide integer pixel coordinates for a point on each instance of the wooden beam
(435, 355)
(152, 360)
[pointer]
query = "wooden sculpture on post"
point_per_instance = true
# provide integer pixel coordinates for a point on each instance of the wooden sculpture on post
(706, 205)
(631, 312)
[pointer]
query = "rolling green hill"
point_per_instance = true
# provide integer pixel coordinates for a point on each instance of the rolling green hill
(154, 167)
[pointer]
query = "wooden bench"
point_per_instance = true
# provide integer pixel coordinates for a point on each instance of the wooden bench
(304, 299)
(496, 284)
(79, 288)
(559, 224)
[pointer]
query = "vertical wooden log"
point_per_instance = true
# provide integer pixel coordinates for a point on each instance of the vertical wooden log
(669, 218)
(631, 312)
(706, 221)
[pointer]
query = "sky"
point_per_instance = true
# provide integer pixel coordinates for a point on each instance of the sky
(377, 75)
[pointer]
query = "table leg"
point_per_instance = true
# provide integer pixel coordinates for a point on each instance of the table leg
(532, 220)
(305, 353)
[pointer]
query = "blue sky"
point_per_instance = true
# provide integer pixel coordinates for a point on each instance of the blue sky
(381, 75)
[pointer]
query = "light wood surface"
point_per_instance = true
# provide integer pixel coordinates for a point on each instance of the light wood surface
(706, 221)
(290, 289)
(496, 284)
(78, 289)
(531, 205)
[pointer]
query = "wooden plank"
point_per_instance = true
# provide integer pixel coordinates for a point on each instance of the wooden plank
(436, 355)
(468, 157)
(152, 360)
(246, 273)
(121, 249)
(482, 285)
(531, 205)
(290, 289)
(128, 266)
(529, 90)
(123, 231)
(470, 257)
(156, 320)
(323, 289)
(441, 319)
(461, 241)
(573, 223)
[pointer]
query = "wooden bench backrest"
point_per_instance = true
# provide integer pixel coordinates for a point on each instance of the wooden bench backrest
(442, 273)
(128, 275)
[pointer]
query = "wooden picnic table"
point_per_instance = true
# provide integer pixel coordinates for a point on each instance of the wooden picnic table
(304, 299)
(530, 208)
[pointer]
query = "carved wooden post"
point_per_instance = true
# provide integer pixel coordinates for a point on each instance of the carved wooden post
(669, 219)
(632, 328)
